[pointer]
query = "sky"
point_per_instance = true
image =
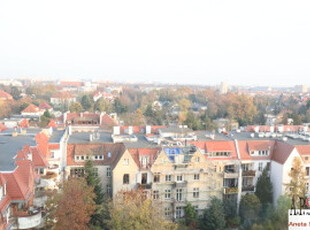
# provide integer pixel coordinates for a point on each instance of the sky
(263, 42)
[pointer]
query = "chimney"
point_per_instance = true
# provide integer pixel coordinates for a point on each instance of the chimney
(65, 117)
(130, 130)
(272, 129)
(116, 130)
(256, 129)
(70, 130)
(148, 129)
(91, 137)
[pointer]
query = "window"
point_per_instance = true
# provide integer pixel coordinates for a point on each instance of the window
(168, 212)
(82, 158)
(197, 159)
(77, 158)
(167, 194)
(126, 179)
(308, 171)
(268, 166)
(126, 161)
(109, 155)
(196, 207)
(178, 212)
(77, 172)
(196, 192)
(306, 158)
(179, 178)
(100, 157)
(41, 171)
(307, 186)
(179, 194)
(168, 177)
(196, 176)
(95, 171)
(156, 195)
(245, 167)
(109, 189)
(156, 178)
(108, 172)
(144, 178)
(260, 166)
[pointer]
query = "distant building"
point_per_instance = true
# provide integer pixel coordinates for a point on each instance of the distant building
(4, 96)
(32, 111)
(63, 98)
(223, 88)
(301, 88)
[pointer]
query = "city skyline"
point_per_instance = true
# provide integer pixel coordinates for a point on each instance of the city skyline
(240, 42)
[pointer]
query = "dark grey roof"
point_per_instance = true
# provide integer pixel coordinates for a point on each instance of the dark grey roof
(141, 143)
(9, 147)
(56, 136)
(175, 130)
(83, 137)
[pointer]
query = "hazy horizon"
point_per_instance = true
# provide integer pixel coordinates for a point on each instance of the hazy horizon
(263, 43)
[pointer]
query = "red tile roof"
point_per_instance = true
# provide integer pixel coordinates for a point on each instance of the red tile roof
(44, 106)
(245, 147)
(303, 149)
(42, 144)
(72, 83)
(152, 153)
(31, 109)
(37, 158)
(63, 95)
(281, 152)
(53, 146)
(5, 95)
(2, 127)
(24, 123)
(107, 121)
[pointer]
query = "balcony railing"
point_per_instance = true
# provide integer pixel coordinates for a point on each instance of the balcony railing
(145, 186)
(231, 190)
(28, 220)
(180, 184)
(231, 174)
(250, 173)
(248, 188)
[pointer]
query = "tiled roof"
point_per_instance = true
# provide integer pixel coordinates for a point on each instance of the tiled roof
(303, 149)
(107, 121)
(52, 124)
(24, 123)
(63, 94)
(94, 149)
(44, 105)
(31, 109)
(38, 160)
(42, 144)
(71, 83)
(282, 152)
(246, 146)
(152, 153)
(5, 95)
(2, 127)
(53, 146)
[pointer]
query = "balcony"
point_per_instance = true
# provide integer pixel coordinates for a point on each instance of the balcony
(145, 186)
(248, 188)
(180, 184)
(28, 220)
(231, 190)
(230, 174)
(249, 173)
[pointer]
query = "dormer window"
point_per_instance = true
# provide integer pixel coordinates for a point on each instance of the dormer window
(100, 157)
(109, 155)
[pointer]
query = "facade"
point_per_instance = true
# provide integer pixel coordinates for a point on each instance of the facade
(63, 99)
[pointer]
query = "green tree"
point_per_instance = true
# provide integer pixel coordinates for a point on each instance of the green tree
(119, 107)
(297, 185)
(86, 102)
(264, 188)
(280, 215)
(76, 107)
(191, 217)
(214, 216)
(15, 92)
(250, 207)
(193, 121)
(100, 215)
(103, 105)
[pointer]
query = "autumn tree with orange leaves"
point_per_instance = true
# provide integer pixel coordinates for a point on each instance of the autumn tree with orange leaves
(72, 206)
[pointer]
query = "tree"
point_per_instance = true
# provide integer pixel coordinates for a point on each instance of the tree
(119, 107)
(92, 179)
(103, 105)
(264, 188)
(214, 217)
(280, 217)
(72, 206)
(297, 185)
(133, 210)
(191, 217)
(250, 207)
(15, 92)
(193, 121)
(76, 107)
(86, 102)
